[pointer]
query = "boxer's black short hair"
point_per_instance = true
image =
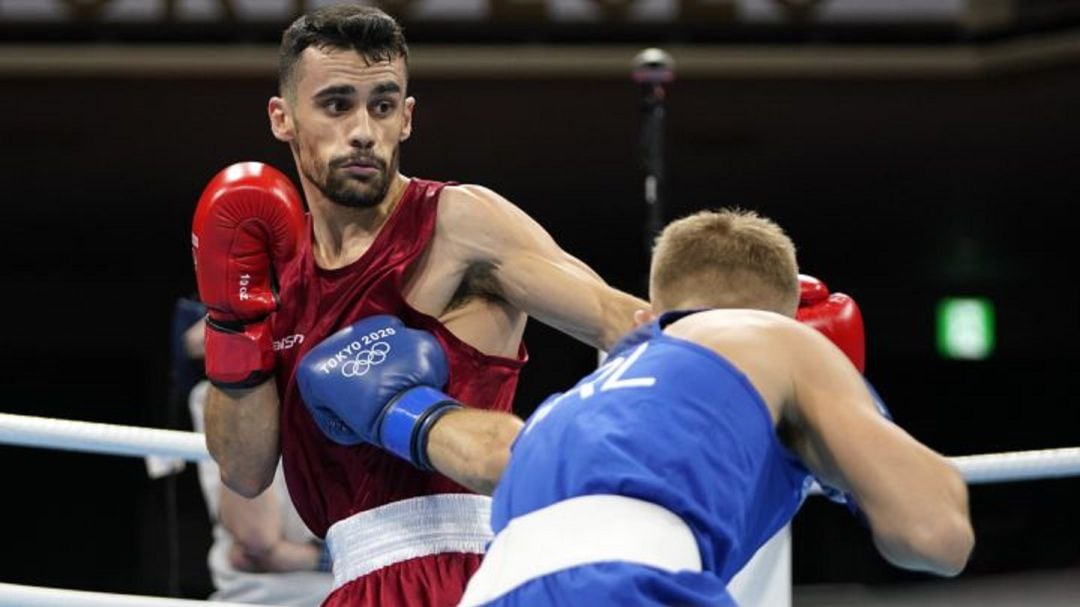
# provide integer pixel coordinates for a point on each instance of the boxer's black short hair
(375, 35)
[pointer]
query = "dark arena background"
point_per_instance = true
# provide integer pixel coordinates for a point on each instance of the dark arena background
(915, 152)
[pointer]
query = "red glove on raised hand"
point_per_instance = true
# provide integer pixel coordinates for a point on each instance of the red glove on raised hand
(248, 221)
(835, 315)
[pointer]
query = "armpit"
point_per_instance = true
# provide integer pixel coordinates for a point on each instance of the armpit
(790, 436)
(478, 282)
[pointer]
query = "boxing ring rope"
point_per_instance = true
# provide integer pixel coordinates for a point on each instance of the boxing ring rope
(14, 595)
(91, 437)
(135, 441)
(1019, 465)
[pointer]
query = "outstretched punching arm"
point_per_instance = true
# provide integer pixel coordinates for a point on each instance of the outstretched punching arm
(473, 447)
(531, 271)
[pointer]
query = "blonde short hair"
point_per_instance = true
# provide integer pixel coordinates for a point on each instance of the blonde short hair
(729, 258)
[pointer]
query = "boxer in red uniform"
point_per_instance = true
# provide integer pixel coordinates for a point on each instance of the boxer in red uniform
(460, 262)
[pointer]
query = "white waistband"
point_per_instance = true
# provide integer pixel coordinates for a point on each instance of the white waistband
(580, 531)
(419, 526)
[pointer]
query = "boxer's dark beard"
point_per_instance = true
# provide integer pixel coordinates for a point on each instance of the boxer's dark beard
(342, 189)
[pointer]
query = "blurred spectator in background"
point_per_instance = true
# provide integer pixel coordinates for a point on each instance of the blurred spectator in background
(262, 552)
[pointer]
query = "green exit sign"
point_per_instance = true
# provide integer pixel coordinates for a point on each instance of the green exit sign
(965, 328)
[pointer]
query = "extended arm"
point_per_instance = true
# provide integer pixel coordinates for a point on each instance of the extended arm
(472, 447)
(914, 500)
(531, 271)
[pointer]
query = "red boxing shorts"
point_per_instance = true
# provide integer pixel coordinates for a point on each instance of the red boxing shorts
(419, 551)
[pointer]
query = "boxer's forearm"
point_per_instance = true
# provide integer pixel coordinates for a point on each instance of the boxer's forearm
(242, 436)
(617, 308)
(939, 539)
(619, 316)
(472, 447)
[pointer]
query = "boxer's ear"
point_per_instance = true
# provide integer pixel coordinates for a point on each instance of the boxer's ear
(281, 122)
(407, 123)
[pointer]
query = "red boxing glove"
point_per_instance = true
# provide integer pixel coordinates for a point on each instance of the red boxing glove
(835, 315)
(248, 221)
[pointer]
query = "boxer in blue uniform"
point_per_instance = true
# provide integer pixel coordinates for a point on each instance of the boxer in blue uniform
(665, 423)
(657, 477)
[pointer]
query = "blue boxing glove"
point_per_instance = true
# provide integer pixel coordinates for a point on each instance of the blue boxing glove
(377, 382)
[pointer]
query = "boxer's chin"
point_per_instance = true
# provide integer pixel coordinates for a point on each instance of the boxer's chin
(348, 191)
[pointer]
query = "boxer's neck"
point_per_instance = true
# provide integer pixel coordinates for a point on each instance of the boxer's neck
(342, 234)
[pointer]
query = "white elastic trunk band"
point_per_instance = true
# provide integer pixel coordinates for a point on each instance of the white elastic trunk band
(399, 531)
(580, 531)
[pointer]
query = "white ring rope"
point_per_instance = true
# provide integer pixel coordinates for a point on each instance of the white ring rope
(135, 441)
(1019, 465)
(92, 437)
(14, 595)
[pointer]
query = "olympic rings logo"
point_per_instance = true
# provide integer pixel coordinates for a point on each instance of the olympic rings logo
(365, 360)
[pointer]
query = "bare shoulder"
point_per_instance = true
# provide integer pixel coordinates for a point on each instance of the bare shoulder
(486, 224)
(471, 205)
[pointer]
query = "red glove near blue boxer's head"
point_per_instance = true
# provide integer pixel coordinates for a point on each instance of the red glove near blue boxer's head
(835, 315)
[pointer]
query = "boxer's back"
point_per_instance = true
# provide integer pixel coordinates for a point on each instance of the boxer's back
(670, 422)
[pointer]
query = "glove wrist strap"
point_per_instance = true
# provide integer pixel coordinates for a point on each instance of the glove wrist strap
(407, 421)
(240, 357)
